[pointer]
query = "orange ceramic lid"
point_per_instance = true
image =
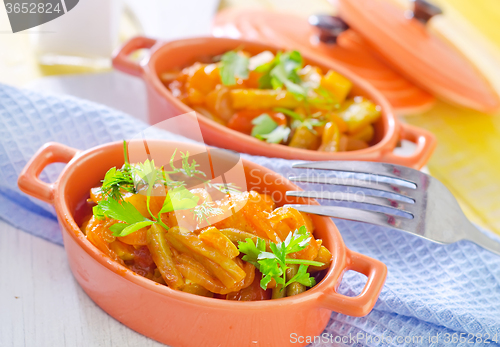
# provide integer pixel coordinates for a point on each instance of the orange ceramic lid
(419, 55)
(350, 50)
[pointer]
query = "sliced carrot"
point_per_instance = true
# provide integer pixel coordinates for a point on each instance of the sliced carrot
(253, 79)
(202, 77)
(137, 238)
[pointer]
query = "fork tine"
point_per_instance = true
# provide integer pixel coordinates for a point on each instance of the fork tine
(348, 197)
(382, 169)
(372, 217)
(400, 193)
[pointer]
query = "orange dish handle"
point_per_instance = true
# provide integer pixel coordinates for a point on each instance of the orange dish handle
(362, 304)
(49, 153)
(426, 143)
(121, 60)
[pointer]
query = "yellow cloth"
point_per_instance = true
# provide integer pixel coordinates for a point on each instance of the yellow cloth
(467, 158)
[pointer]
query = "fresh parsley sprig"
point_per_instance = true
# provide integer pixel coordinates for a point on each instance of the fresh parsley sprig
(292, 114)
(274, 264)
(262, 125)
(278, 135)
(149, 175)
(117, 180)
(179, 199)
(309, 123)
(132, 220)
(233, 65)
(130, 177)
(283, 71)
(265, 128)
(299, 120)
(125, 212)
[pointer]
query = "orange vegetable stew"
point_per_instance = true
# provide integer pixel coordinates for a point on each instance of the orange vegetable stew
(277, 99)
(214, 241)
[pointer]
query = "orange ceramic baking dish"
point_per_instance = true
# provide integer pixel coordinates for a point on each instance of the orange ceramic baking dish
(165, 56)
(182, 319)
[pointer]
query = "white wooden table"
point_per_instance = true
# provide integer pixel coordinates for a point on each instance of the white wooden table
(42, 305)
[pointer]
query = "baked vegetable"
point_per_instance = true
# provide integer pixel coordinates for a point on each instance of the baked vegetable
(301, 101)
(256, 252)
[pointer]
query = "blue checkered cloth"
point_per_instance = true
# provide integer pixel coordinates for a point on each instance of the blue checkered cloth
(435, 295)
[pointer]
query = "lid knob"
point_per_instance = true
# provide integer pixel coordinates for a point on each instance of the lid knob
(329, 27)
(423, 11)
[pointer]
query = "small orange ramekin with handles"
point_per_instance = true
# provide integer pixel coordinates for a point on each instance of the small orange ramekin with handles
(182, 319)
(165, 56)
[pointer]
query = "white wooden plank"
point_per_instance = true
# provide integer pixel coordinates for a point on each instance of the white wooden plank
(41, 304)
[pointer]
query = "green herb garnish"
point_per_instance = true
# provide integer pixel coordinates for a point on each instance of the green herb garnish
(299, 120)
(227, 188)
(278, 135)
(274, 264)
(125, 212)
(323, 99)
(189, 170)
(233, 65)
(309, 123)
(179, 199)
(281, 77)
(116, 180)
(149, 175)
(265, 128)
(129, 177)
(132, 220)
(283, 71)
(207, 208)
(263, 124)
(290, 113)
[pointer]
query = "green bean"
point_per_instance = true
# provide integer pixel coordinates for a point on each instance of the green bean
(278, 292)
(214, 268)
(191, 241)
(162, 256)
(295, 287)
(196, 289)
(236, 235)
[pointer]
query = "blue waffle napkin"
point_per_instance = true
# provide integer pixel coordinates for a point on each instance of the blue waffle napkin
(435, 295)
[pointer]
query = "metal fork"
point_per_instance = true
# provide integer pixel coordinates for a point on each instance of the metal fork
(419, 204)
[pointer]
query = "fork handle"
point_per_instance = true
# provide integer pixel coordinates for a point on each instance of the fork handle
(473, 234)
(362, 304)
